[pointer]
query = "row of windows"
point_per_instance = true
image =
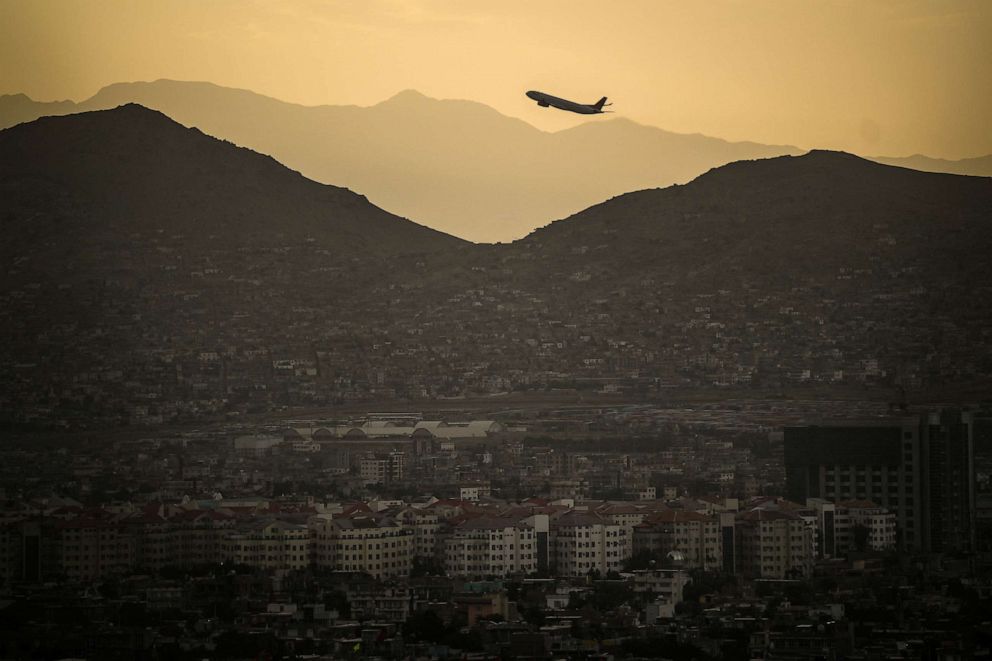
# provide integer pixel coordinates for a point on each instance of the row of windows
(375, 556)
(371, 566)
(483, 557)
(386, 545)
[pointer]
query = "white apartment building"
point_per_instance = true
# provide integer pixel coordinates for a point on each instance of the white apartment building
(378, 546)
(425, 524)
(474, 492)
(490, 546)
(879, 524)
(629, 516)
(773, 544)
(271, 544)
(697, 537)
(90, 548)
(378, 468)
(583, 542)
(839, 526)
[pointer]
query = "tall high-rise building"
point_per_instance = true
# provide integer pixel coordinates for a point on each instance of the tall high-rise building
(921, 468)
(949, 481)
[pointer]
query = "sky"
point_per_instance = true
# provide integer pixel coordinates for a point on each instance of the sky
(875, 78)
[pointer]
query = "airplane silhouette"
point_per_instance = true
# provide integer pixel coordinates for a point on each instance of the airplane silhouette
(545, 100)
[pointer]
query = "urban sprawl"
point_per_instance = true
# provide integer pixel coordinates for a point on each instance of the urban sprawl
(626, 531)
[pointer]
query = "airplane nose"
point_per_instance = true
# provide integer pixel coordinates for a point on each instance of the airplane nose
(532, 94)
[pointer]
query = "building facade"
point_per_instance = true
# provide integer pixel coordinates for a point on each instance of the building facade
(696, 536)
(774, 544)
(921, 468)
(584, 542)
(490, 546)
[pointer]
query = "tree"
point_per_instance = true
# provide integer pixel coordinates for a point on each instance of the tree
(425, 626)
(642, 560)
(657, 647)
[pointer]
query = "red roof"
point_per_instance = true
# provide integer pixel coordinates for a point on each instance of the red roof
(676, 516)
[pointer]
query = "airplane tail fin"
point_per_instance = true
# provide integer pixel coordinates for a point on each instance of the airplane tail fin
(602, 102)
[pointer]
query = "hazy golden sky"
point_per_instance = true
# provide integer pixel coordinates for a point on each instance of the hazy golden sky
(877, 78)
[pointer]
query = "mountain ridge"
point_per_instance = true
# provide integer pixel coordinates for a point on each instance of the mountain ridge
(437, 160)
(154, 273)
(90, 153)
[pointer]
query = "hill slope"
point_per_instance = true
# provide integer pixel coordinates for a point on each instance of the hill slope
(980, 166)
(130, 240)
(823, 270)
(819, 211)
(134, 169)
(127, 300)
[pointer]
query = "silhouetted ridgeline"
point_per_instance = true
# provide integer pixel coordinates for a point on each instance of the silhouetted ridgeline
(155, 274)
(458, 166)
(133, 169)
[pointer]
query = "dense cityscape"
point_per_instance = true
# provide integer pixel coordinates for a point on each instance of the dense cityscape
(698, 532)
(200, 349)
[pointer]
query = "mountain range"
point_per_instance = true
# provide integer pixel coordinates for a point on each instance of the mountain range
(458, 166)
(154, 272)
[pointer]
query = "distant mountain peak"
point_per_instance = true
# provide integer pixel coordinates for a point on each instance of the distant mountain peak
(409, 96)
(128, 117)
(815, 161)
(410, 92)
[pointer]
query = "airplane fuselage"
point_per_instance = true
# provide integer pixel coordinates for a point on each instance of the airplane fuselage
(545, 100)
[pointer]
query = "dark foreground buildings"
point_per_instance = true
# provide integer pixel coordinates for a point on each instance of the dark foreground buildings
(920, 467)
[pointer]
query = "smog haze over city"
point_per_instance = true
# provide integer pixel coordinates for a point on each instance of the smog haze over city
(434, 329)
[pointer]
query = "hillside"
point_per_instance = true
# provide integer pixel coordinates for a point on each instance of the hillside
(155, 274)
(132, 169)
(819, 212)
(824, 270)
(129, 238)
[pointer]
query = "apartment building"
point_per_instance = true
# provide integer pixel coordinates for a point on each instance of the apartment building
(425, 524)
(584, 542)
(378, 546)
(490, 546)
(773, 544)
(877, 525)
(89, 548)
(921, 468)
(382, 468)
(268, 544)
(696, 537)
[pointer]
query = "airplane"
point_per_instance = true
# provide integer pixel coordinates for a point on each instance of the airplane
(545, 100)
